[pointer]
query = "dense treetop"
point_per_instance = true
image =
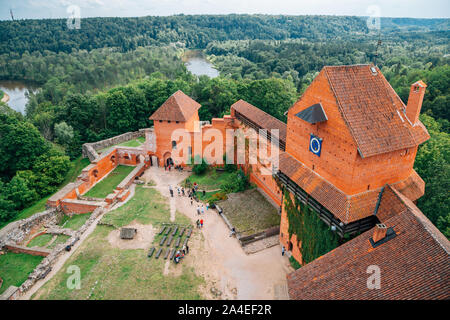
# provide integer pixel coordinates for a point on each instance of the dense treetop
(194, 31)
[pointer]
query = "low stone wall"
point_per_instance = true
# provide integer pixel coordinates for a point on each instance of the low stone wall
(126, 183)
(44, 268)
(90, 149)
(17, 231)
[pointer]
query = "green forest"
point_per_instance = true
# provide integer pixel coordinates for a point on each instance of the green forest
(107, 78)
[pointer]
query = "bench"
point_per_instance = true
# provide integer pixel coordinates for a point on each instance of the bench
(175, 231)
(185, 241)
(162, 230)
(158, 253)
(189, 233)
(167, 253)
(170, 240)
(162, 240)
(167, 231)
(182, 231)
(172, 254)
(177, 243)
(150, 253)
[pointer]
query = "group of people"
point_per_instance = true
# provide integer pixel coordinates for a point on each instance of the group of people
(180, 254)
(199, 223)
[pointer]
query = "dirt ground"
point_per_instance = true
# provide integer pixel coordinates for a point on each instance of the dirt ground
(228, 271)
(142, 240)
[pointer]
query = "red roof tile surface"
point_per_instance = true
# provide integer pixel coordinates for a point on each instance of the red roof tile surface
(179, 107)
(413, 187)
(413, 265)
(260, 118)
(372, 110)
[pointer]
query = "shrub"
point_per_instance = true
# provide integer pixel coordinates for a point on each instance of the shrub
(200, 168)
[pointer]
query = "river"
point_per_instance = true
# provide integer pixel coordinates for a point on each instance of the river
(199, 66)
(16, 91)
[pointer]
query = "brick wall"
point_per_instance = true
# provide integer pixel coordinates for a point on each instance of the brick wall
(32, 251)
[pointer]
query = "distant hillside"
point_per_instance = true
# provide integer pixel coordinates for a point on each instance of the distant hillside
(192, 31)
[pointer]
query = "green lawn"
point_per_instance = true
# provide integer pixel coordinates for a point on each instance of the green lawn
(15, 268)
(77, 165)
(60, 238)
(130, 143)
(210, 180)
(147, 206)
(112, 273)
(40, 241)
(74, 222)
(1, 94)
(108, 184)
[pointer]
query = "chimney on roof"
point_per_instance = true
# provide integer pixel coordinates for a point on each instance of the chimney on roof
(415, 101)
(379, 232)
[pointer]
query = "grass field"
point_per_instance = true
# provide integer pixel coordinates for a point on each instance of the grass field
(60, 238)
(108, 184)
(40, 241)
(112, 273)
(131, 143)
(74, 222)
(147, 206)
(210, 180)
(250, 212)
(15, 268)
(1, 94)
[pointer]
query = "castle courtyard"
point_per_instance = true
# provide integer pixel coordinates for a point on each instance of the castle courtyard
(215, 268)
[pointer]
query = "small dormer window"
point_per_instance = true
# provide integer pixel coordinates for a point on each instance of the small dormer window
(160, 121)
(174, 144)
(416, 89)
(373, 70)
(168, 121)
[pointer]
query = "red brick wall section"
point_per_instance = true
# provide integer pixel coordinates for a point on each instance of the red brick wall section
(78, 207)
(21, 249)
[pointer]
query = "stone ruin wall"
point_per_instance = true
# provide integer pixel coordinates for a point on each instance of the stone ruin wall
(89, 150)
(17, 233)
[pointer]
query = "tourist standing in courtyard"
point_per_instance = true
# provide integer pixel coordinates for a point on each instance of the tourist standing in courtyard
(171, 191)
(201, 223)
(282, 250)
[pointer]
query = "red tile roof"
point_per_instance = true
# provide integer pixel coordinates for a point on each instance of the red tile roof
(413, 265)
(260, 118)
(179, 107)
(413, 187)
(346, 208)
(372, 110)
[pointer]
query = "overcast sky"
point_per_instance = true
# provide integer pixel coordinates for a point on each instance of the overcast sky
(132, 8)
